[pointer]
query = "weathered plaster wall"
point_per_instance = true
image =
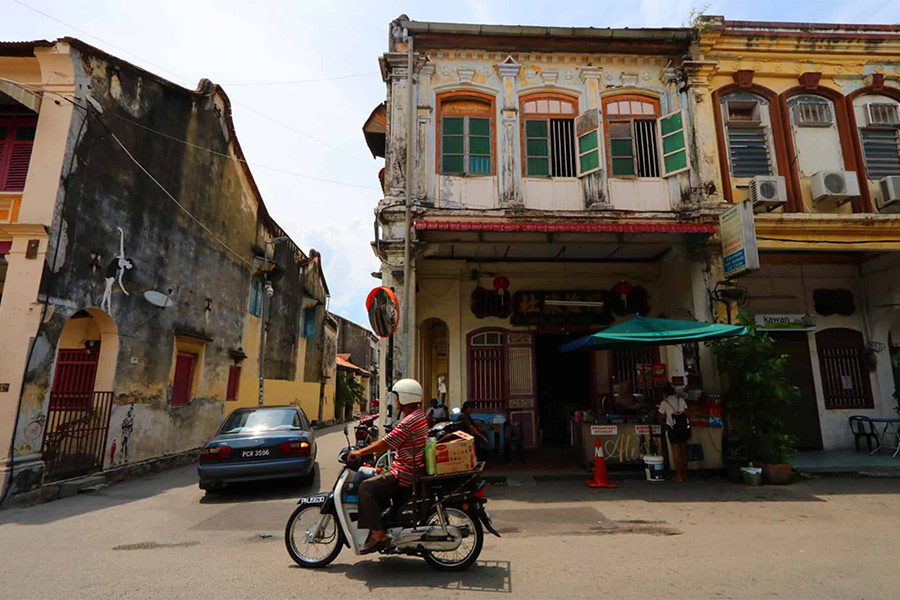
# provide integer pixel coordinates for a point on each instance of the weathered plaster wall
(206, 273)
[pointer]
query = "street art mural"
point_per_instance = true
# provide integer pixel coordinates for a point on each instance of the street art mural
(114, 271)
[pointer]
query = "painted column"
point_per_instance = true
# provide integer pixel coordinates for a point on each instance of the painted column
(395, 168)
(592, 185)
(701, 120)
(425, 149)
(509, 179)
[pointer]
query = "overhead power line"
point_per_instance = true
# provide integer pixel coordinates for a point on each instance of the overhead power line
(185, 83)
(296, 81)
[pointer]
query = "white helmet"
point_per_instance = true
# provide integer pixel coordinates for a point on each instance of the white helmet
(408, 392)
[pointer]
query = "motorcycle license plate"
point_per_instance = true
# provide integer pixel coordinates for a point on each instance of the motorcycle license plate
(254, 453)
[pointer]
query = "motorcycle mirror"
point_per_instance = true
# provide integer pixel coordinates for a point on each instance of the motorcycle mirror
(347, 434)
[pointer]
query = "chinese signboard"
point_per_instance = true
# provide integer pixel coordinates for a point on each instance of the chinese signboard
(569, 307)
(738, 231)
(786, 322)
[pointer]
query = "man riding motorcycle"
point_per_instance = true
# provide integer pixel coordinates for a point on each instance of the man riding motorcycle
(407, 439)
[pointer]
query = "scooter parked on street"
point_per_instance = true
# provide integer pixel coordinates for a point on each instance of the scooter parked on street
(442, 519)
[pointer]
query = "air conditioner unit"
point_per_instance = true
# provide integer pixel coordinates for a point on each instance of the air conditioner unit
(767, 193)
(890, 194)
(839, 186)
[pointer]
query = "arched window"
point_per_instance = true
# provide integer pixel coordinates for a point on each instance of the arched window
(878, 118)
(466, 137)
(631, 136)
(548, 123)
(817, 142)
(748, 133)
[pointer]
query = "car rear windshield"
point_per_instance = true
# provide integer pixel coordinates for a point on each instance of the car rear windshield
(263, 420)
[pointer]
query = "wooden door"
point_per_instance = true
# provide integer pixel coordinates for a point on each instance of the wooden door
(804, 419)
(522, 392)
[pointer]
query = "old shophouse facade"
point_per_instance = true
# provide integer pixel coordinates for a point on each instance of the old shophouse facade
(806, 120)
(131, 242)
(564, 179)
(556, 189)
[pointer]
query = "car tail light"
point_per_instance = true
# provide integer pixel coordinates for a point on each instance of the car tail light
(296, 447)
(215, 453)
(479, 492)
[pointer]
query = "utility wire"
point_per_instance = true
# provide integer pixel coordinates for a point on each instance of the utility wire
(296, 81)
(71, 98)
(89, 34)
(185, 83)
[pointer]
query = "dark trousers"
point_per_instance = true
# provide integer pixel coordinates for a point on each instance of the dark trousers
(374, 496)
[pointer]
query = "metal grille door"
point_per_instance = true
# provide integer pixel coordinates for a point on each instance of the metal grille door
(73, 380)
(75, 438)
(487, 374)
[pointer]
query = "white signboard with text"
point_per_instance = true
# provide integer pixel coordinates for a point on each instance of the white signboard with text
(738, 232)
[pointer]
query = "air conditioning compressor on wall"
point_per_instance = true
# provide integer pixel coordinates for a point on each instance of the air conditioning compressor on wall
(889, 199)
(767, 193)
(834, 186)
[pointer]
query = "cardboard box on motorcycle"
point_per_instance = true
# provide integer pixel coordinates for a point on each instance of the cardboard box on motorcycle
(454, 453)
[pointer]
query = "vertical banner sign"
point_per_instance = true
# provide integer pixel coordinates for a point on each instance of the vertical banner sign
(738, 232)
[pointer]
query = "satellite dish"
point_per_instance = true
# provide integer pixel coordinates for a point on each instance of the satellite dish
(158, 299)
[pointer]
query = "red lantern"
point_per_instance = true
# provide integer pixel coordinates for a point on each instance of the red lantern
(623, 288)
(501, 284)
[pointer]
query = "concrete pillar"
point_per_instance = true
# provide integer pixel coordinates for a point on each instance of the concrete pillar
(509, 178)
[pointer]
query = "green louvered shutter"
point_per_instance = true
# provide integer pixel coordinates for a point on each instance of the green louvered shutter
(675, 157)
(587, 133)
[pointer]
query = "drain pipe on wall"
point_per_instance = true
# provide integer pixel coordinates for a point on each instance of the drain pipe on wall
(410, 165)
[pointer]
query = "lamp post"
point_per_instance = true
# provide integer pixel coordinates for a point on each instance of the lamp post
(267, 293)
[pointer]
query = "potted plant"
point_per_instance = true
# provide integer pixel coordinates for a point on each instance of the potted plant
(758, 399)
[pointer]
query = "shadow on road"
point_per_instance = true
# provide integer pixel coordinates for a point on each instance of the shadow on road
(259, 491)
(401, 572)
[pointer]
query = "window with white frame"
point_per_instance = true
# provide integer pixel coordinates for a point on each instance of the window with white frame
(878, 118)
(748, 134)
(817, 143)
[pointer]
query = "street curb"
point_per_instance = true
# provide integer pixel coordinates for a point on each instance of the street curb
(70, 487)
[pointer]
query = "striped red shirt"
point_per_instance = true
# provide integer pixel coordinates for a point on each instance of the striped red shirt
(408, 439)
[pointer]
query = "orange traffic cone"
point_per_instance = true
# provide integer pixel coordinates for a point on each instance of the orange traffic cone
(601, 479)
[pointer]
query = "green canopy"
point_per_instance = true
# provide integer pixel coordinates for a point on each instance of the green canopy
(644, 331)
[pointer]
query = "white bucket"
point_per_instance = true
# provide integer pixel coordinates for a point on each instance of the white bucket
(653, 468)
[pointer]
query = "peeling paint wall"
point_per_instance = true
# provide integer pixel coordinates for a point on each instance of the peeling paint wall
(107, 205)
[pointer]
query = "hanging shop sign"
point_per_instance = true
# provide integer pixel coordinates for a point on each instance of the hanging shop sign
(583, 307)
(738, 232)
(786, 322)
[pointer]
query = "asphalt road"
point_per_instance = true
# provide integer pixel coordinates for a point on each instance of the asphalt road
(161, 537)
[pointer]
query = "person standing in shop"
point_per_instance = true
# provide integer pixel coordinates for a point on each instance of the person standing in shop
(678, 429)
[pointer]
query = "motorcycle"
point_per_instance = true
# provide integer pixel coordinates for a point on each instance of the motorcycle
(442, 520)
(366, 431)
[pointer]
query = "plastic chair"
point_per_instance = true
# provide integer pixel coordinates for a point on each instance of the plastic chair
(862, 426)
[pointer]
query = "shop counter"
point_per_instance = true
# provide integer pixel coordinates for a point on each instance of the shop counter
(710, 441)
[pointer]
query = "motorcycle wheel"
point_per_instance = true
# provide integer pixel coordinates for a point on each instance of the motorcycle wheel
(317, 554)
(469, 549)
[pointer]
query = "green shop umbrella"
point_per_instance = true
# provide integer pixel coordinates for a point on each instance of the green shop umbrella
(644, 331)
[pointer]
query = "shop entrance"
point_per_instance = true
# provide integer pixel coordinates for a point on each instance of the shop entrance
(804, 419)
(563, 384)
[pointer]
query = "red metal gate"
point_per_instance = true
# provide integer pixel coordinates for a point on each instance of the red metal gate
(77, 418)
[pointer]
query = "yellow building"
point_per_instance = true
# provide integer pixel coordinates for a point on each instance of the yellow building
(803, 121)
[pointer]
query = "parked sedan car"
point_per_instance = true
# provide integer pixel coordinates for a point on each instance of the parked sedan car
(254, 444)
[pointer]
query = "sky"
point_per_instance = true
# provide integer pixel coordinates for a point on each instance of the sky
(265, 54)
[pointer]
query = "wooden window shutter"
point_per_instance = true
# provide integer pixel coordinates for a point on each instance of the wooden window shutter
(587, 133)
(15, 155)
(675, 158)
(234, 380)
(184, 378)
